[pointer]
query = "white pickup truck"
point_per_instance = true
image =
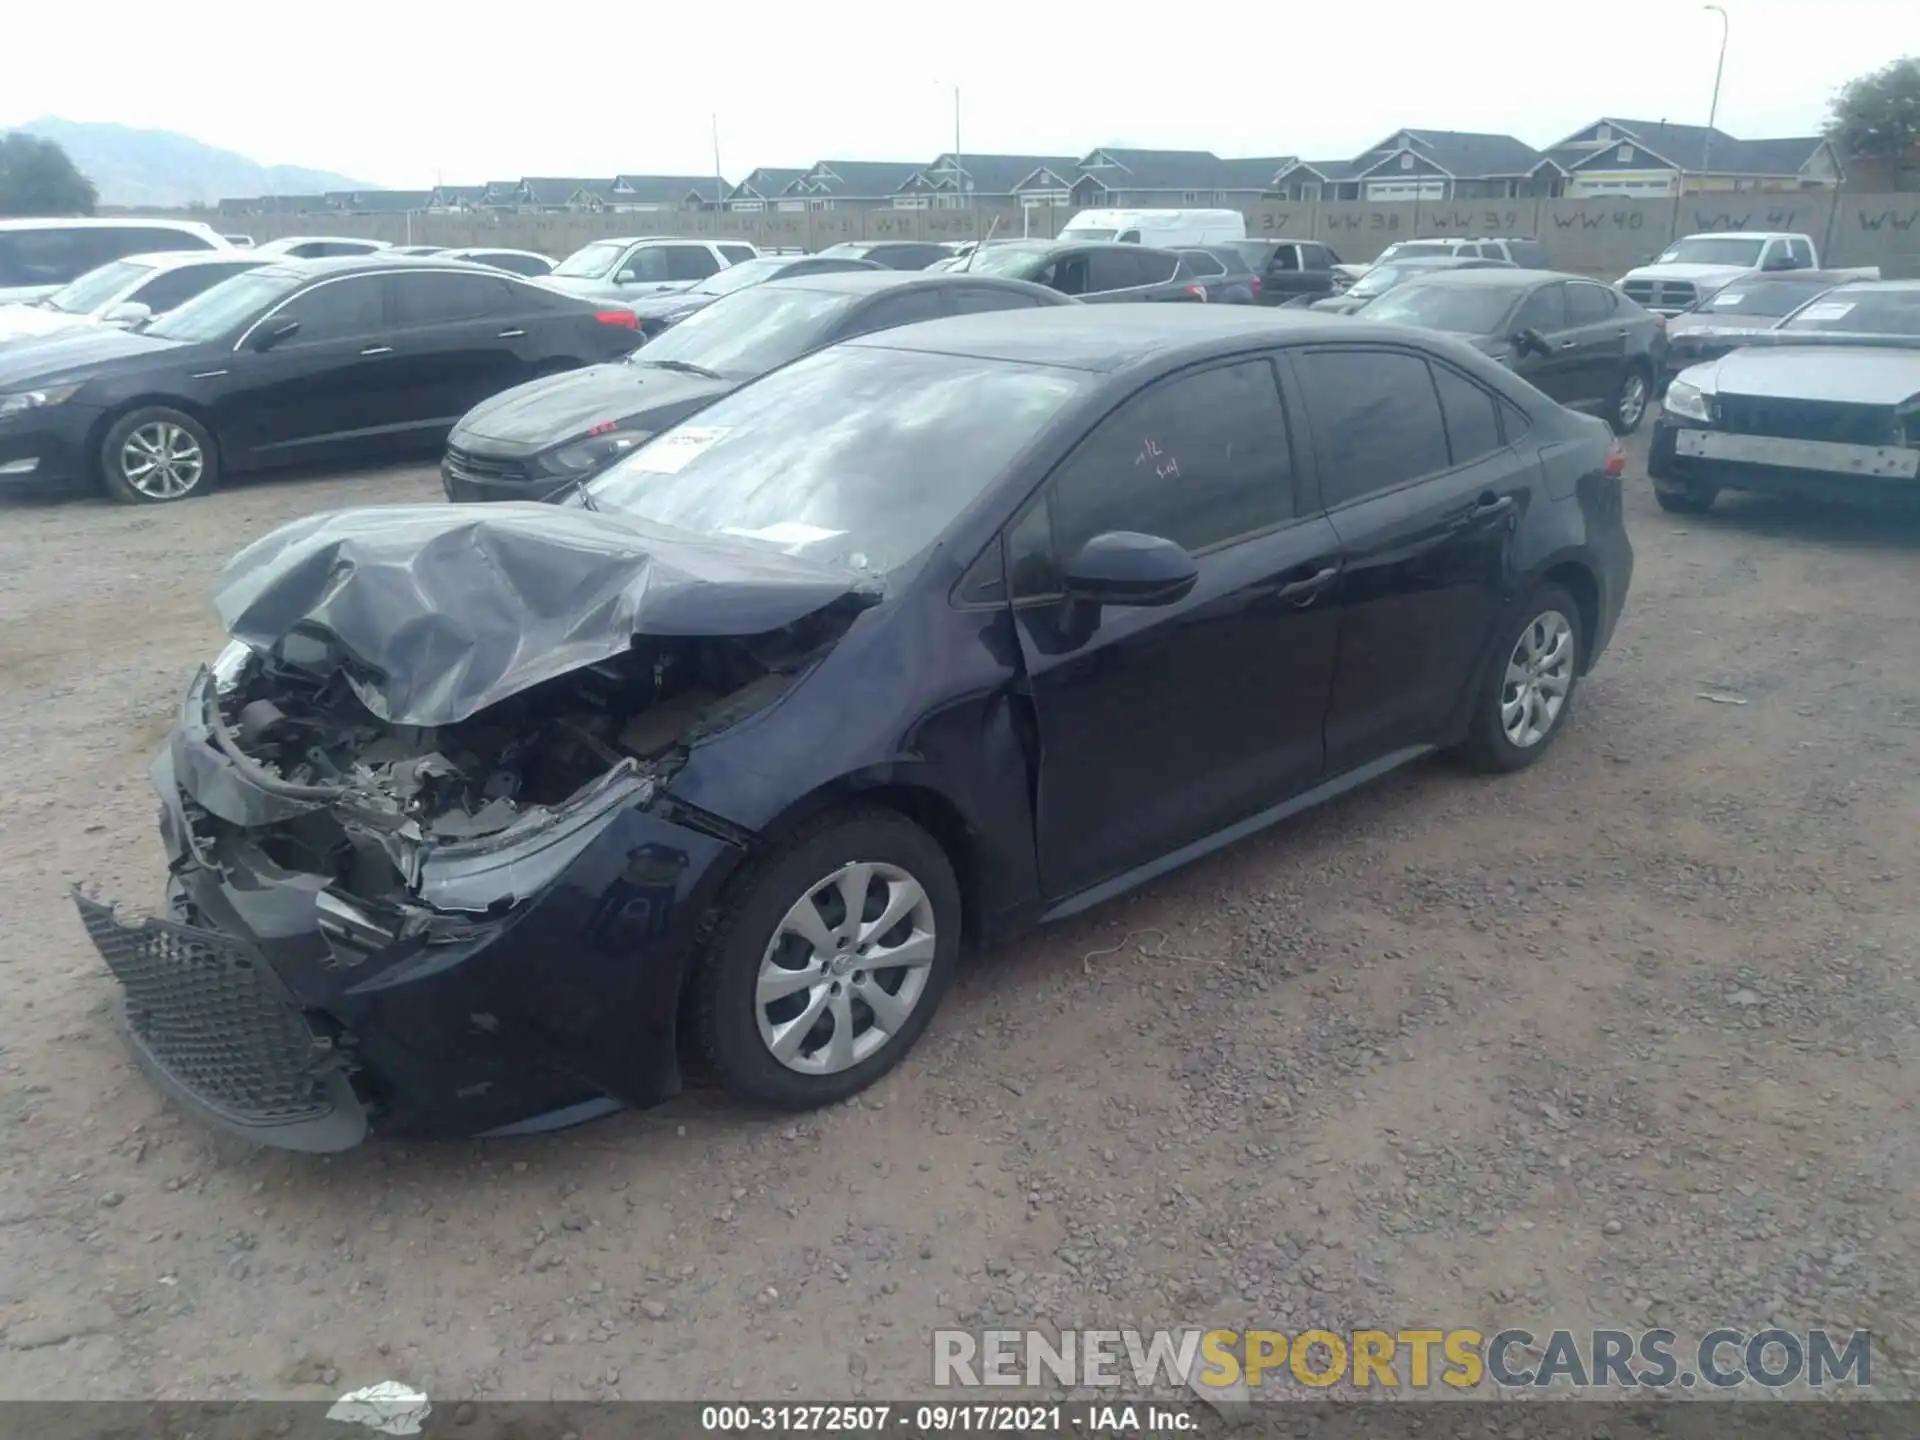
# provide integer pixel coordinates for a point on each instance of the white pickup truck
(1692, 268)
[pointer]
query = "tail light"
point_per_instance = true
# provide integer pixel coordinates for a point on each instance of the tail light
(1616, 460)
(1199, 292)
(1256, 285)
(625, 319)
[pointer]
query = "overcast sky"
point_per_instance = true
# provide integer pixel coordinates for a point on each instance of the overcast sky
(410, 93)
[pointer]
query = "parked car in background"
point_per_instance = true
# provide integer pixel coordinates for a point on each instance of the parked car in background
(1292, 272)
(1382, 278)
(299, 360)
(125, 293)
(1575, 340)
(417, 250)
(1100, 272)
(1168, 229)
(893, 254)
(1749, 306)
(924, 639)
(514, 262)
(663, 311)
(627, 268)
(37, 257)
(1826, 406)
(528, 443)
(1223, 273)
(1521, 251)
(320, 247)
(1697, 266)
(241, 241)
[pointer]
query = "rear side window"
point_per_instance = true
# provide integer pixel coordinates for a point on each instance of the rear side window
(690, 262)
(973, 299)
(1154, 267)
(1199, 262)
(171, 287)
(1376, 420)
(1589, 304)
(1112, 270)
(1285, 257)
(50, 256)
(442, 299)
(737, 254)
(129, 240)
(1472, 416)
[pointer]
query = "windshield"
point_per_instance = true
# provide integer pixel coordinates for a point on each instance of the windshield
(97, 288)
(1712, 250)
(590, 262)
(1765, 298)
(1860, 312)
(1014, 260)
(1466, 310)
(855, 456)
(748, 334)
(739, 277)
(224, 308)
(1074, 232)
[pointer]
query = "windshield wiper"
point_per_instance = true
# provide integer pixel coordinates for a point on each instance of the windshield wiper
(685, 367)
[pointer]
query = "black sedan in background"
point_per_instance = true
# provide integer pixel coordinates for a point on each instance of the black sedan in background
(893, 254)
(542, 437)
(659, 313)
(300, 360)
(1578, 341)
(1097, 272)
(929, 637)
(1382, 278)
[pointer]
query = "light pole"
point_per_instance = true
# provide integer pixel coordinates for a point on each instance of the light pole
(1713, 107)
(959, 167)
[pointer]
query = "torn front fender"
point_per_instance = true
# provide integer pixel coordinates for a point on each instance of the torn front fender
(438, 611)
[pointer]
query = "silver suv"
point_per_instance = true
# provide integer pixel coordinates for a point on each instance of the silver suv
(629, 267)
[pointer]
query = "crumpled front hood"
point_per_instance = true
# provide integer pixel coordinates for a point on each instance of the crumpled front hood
(1853, 373)
(439, 611)
(546, 411)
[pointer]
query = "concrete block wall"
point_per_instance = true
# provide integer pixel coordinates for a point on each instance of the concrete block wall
(1601, 237)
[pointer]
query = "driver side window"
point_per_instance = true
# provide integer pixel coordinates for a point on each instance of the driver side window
(648, 264)
(1202, 459)
(337, 310)
(1545, 310)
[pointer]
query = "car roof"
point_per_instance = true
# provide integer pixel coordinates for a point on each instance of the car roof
(1496, 277)
(1896, 287)
(114, 222)
(187, 259)
(1105, 338)
(868, 282)
(380, 262)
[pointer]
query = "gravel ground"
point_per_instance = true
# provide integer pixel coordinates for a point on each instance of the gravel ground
(1628, 1039)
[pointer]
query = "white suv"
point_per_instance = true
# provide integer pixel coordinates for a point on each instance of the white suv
(37, 257)
(627, 268)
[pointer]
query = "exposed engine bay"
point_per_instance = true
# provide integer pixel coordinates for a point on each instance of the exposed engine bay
(385, 794)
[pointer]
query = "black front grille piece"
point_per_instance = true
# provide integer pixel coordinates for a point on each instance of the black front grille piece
(207, 1012)
(1835, 421)
(465, 465)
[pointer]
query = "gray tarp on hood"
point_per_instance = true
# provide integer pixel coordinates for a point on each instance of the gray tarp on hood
(443, 610)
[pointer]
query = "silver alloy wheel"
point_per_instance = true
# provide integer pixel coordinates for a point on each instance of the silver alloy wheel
(162, 460)
(1539, 675)
(1633, 399)
(845, 968)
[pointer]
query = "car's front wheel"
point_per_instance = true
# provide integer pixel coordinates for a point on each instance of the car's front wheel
(1685, 499)
(833, 953)
(1528, 690)
(1629, 405)
(156, 455)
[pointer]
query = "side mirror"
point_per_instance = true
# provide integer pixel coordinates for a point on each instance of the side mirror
(1122, 567)
(1529, 342)
(272, 333)
(128, 314)
(627, 277)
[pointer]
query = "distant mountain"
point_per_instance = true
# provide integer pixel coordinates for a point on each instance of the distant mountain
(159, 168)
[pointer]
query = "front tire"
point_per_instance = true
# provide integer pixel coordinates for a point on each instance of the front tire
(833, 954)
(1628, 407)
(1528, 690)
(155, 455)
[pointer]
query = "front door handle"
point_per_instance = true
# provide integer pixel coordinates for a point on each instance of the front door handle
(511, 334)
(378, 350)
(1567, 344)
(1489, 507)
(1303, 592)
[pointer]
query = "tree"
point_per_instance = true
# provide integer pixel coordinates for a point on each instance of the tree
(1877, 116)
(37, 178)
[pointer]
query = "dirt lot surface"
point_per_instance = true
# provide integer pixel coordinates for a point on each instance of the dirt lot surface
(1628, 1039)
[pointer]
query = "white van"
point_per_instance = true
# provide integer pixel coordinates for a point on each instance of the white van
(1169, 229)
(37, 257)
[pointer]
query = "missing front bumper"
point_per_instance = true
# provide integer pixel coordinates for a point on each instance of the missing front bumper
(211, 1024)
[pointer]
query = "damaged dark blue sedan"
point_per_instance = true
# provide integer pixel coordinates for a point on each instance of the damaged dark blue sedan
(494, 819)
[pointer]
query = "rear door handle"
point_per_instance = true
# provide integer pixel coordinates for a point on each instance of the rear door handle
(1568, 344)
(1303, 592)
(378, 350)
(516, 334)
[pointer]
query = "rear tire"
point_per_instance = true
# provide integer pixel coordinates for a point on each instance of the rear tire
(796, 1004)
(1628, 406)
(1687, 500)
(1527, 692)
(155, 456)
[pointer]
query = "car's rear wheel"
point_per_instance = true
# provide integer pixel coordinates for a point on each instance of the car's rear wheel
(1685, 499)
(156, 455)
(1629, 404)
(832, 956)
(1528, 690)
